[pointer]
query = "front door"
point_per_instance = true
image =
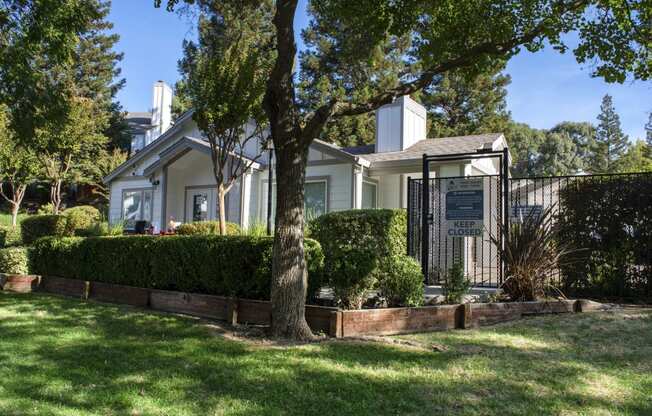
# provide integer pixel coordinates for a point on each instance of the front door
(200, 204)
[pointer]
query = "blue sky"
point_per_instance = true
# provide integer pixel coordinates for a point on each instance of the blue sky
(546, 87)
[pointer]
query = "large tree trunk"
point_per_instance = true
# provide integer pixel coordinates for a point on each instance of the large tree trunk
(221, 206)
(290, 274)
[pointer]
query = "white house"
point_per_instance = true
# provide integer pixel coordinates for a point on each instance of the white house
(169, 175)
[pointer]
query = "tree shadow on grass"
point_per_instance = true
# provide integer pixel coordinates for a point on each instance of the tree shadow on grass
(82, 358)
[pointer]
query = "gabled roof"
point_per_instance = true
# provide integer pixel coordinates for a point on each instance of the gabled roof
(183, 118)
(435, 147)
(180, 148)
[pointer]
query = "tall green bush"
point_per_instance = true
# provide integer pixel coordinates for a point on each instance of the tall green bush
(456, 284)
(37, 226)
(217, 265)
(81, 218)
(610, 219)
(365, 250)
(14, 260)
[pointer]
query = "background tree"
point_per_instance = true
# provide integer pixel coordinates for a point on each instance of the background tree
(610, 141)
(38, 37)
(18, 167)
(470, 36)
(557, 155)
(93, 171)
(458, 105)
(524, 143)
(648, 137)
(636, 159)
(581, 133)
(224, 79)
(65, 148)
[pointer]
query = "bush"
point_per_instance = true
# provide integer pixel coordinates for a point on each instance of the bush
(45, 209)
(403, 283)
(207, 228)
(37, 226)
(216, 265)
(81, 218)
(9, 236)
(14, 260)
(362, 249)
(456, 285)
(101, 229)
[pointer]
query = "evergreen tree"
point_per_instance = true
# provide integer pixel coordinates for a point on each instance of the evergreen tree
(636, 159)
(524, 143)
(648, 139)
(557, 155)
(459, 105)
(610, 141)
(582, 134)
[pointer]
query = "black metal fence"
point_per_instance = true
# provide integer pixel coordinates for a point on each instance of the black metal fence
(608, 218)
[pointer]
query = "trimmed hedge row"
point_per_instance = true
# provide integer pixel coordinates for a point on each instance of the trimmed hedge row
(14, 260)
(207, 228)
(215, 265)
(365, 250)
(37, 226)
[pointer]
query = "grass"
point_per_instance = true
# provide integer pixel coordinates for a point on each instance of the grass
(65, 357)
(5, 219)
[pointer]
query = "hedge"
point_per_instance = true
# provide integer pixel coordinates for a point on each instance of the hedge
(9, 236)
(207, 228)
(609, 220)
(215, 265)
(364, 250)
(37, 226)
(14, 260)
(81, 218)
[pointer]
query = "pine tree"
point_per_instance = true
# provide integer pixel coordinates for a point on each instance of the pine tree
(459, 105)
(610, 141)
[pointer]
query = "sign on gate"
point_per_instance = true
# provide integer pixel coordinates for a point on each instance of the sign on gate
(465, 207)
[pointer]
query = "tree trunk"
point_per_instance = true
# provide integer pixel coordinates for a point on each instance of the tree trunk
(290, 275)
(14, 214)
(55, 196)
(221, 196)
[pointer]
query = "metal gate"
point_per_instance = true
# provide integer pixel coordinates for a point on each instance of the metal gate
(441, 233)
(477, 254)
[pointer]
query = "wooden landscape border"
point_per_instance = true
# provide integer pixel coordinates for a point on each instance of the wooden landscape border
(321, 319)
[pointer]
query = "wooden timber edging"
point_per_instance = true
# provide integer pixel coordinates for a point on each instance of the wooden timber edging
(332, 321)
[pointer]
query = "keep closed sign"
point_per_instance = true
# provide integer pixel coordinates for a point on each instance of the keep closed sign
(465, 207)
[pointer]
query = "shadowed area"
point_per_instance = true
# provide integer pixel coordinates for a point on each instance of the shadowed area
(64, 357)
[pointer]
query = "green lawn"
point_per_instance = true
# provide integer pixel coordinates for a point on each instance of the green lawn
(64, 357)
(5, 219)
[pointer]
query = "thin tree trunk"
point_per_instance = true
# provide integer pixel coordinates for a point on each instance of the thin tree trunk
(14, 214)
(221, 196)
(290, 275)
(55, 196)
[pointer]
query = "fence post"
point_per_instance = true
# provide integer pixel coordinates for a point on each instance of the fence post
(425, 206)
(232, 311)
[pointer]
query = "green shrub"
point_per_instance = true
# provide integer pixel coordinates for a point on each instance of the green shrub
(358, 246)
(9, 236)
(217, 265)
(207, 228)
(403, 283)
(37, 226)
(81, 218)
(45, 209)
(456, 285)
(101, 229)
(14, 260)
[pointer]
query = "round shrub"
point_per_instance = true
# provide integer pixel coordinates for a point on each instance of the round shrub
(9, 236)
(402, 282)
(350, 275)
(37, 226)
(207, 228)
(14, 260)
(81, 218)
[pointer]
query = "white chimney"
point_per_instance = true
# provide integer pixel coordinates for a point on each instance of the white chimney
(161, 109)
(399, 125)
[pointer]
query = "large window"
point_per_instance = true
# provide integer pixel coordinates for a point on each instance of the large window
(369, 195)
(136, 206)
(315, 198)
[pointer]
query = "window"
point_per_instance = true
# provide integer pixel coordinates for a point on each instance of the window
(369, 195)
(200, 207)
(315, 198)
(136, 206)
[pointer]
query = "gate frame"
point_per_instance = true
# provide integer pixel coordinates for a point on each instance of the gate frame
(427, 217)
